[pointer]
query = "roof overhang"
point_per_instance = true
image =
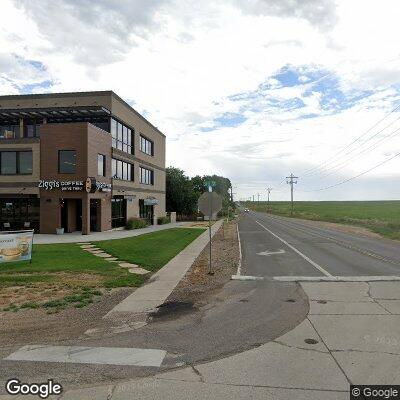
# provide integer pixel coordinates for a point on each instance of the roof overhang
(13, 115)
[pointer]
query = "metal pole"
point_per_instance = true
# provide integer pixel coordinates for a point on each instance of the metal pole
(209, 233)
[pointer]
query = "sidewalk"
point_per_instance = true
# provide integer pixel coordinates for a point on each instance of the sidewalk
(77, 237)
(162, 283)
(350, 335)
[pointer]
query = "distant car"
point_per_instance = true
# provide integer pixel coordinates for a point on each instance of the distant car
(246, 210)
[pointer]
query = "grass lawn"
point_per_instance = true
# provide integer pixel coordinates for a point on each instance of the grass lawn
(152, 250)
(379, 216)
(61, 274)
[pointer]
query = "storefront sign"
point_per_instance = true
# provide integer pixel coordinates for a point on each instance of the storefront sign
(150, 202)
(90, 185)
(16, 246)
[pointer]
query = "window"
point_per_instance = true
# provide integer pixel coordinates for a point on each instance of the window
(24, 162)
(16, 162)
(9, 131)
(121, 137)
(101, 164)
(122, 170)
(146, 146)
(8, 162)
(118, 212)
(66, 161)
(146, 176)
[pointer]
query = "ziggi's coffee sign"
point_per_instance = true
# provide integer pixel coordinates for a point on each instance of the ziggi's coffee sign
(90, 185)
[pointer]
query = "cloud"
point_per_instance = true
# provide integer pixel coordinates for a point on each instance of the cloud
(319, 13)
(93, 32)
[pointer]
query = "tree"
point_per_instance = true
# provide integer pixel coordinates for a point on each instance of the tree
(180, 196)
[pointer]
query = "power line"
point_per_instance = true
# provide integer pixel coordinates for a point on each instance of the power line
(292, 180)
(363, 151)
(354, 177)
(350, 144)
(351, 150)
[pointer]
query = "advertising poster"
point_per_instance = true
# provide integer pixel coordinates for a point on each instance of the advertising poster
(16, 246)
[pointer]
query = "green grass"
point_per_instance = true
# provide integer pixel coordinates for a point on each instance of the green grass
(382, 217)
(57, 266)
(152, 250)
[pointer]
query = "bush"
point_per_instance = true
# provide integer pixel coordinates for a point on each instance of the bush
(136, 223)
(163, 220)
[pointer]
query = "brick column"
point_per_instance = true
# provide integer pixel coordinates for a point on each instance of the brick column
(21, 127)
(85, 215)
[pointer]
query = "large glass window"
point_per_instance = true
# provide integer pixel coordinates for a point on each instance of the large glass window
(118, 212)
(19, 213)
(122, 170)
(67, 161)
(8, 162)
(25, 162)
(101, 164)
(146, 176)
(121, 137)
(146, 146)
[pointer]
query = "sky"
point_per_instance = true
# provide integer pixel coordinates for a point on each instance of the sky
(249, 89)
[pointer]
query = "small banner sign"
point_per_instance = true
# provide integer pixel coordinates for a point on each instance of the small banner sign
(16, 246)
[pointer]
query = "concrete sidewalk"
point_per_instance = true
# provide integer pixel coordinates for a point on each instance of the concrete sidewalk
(351, 335)
(162, 283)
(77, 237)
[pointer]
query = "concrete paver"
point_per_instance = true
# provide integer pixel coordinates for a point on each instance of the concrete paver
(337, 291)
(359, 332)
(340, 307)
(370, 368)
(385, 290)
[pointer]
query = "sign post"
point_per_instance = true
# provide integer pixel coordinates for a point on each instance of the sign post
(209, 204)
(16, 246)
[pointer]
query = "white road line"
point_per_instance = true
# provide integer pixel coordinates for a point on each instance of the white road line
(239, 269)
(335, 278)
(90, 355)
(247, 278)
(314, 264)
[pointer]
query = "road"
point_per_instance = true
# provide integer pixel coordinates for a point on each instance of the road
(275, 246)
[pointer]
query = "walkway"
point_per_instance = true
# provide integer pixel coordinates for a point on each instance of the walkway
(76, 237)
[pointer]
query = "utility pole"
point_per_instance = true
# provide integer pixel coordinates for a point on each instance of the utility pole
(269, 191)
(258, 197)
(253, 198)
(291, 180)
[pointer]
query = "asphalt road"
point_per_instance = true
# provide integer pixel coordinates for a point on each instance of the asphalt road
(276, 246)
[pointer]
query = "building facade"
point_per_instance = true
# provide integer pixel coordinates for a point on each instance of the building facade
(78, 161)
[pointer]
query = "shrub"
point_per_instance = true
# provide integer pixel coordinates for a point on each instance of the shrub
(163, 220)
(136, 223)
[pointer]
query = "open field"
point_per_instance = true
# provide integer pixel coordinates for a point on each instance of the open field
(62, 274)
(382, 217)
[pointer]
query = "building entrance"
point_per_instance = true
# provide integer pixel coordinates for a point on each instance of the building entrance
(71, 214)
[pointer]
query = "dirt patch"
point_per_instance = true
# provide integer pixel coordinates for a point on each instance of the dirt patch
(197, 283)
(62, 285)
(31, 326)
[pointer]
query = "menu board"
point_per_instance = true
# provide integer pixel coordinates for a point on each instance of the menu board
(16, 246)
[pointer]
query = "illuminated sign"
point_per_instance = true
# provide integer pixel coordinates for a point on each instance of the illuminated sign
(90, 185)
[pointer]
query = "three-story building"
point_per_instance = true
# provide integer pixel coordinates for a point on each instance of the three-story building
(78, 161)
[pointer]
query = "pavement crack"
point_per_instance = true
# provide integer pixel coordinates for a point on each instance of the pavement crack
(374, 300)
(197, 372)
(330, 352)
(365, 351)
(297, 347)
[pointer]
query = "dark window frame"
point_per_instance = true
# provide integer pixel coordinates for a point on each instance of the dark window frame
(145, 140)
(122, 170)
(122, 136)
(146, 176)
(17, 162)
(59, 165)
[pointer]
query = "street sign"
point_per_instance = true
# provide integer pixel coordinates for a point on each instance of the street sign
(210, 203)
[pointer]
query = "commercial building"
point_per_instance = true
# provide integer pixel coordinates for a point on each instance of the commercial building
(79, 161)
